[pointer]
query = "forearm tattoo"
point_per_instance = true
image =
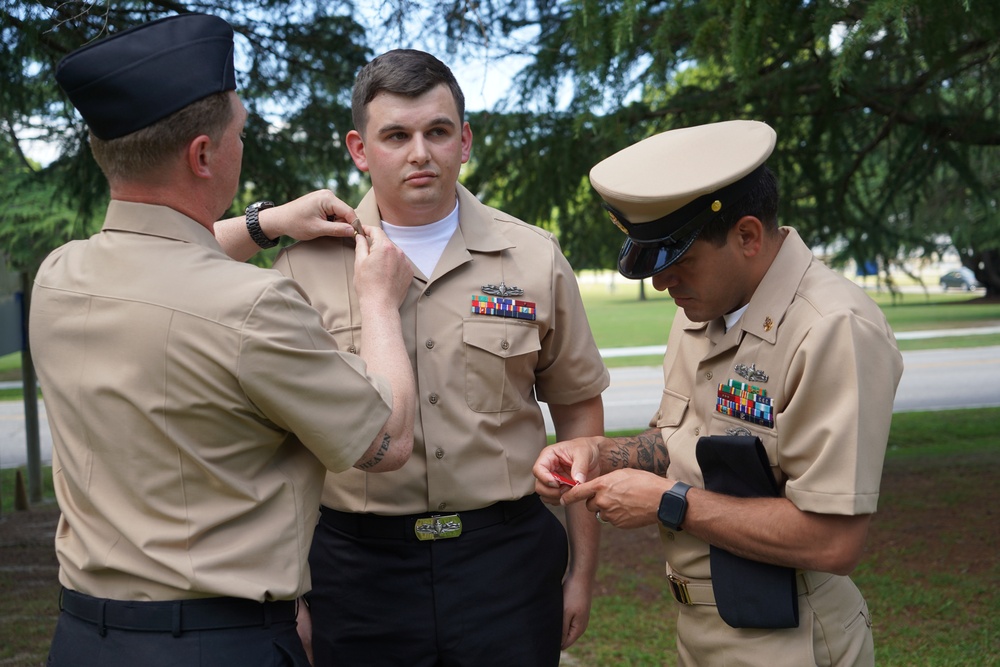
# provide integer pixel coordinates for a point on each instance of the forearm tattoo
(378, 456)
(645, 451)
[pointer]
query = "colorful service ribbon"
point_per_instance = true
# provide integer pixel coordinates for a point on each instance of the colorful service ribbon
(502, 307)
(746, 402)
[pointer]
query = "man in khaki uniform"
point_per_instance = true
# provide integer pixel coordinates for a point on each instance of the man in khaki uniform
(768, 343)
(453, 559)
(195, 401)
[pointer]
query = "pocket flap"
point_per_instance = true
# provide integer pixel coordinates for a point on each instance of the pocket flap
(672, 409)
(502, 338)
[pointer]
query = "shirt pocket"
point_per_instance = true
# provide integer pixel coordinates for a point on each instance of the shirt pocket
(721, 424)
(500, 359)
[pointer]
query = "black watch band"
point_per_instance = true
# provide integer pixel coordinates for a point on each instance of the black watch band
(253, 224)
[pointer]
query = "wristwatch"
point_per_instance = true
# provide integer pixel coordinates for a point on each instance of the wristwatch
(673, 506)
(253, 224)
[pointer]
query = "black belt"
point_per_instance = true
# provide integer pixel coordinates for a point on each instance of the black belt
(419, 526)
(175, 616)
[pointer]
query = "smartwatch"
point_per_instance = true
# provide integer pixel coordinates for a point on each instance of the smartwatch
(673, 506)
(253, 224)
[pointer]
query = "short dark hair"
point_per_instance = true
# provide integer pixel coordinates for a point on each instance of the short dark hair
(405, 72)
(760, 202)
(139, 154)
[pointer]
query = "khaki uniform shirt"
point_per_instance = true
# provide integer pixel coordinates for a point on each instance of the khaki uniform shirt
(478, 425)
(176, 381)
(832, 367)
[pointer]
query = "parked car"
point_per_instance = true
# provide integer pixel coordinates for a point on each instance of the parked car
(962, 278)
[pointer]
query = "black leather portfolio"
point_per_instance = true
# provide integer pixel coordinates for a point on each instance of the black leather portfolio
(749, 594)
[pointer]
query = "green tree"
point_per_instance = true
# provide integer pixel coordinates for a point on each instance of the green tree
(296, 62)
(886, 110)
(31, 222)
(876, 103)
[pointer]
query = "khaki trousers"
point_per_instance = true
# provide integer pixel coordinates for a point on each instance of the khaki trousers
(834, 631)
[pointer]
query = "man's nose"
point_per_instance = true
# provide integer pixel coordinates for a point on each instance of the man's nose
(664, 280)
(418, 150)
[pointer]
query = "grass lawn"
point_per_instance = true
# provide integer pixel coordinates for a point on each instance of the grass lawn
(619, 319)
(930, 574)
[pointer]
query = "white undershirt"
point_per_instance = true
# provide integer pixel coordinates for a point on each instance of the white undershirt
(423, 244)
(734, 317)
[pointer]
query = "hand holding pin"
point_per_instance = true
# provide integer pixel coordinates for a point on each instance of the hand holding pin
(565, 480)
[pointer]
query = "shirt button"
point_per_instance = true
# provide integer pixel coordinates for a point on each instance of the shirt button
(427, 292)
(441, 506)
(504, 345)
(697, 430)
(439, 453)
(352, 349)
(429, 344)
(433, 398)
(708, 375)
(670, 536)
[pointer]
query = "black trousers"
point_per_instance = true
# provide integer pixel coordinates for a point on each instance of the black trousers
(79, 643)
(490, 597)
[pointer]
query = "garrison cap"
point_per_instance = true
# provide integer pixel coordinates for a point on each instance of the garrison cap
(664, 189)
(141, 75)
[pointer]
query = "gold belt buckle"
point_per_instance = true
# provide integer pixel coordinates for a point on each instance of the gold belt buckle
(438, 527)
(679, 589)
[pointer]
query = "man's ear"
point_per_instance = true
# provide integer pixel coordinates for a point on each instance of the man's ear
(198, 155)
(749, 233)
(466, 142)
(356, 147)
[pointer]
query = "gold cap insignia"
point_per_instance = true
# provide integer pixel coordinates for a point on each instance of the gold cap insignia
(619, 225)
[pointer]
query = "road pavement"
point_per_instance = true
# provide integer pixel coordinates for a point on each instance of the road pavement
(932, 380)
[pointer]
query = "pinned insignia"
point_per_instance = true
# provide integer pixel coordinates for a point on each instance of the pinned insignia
(746, 402)
(750, 373)
(501, 307)
(768, 323)
(738, 430)
(618, 224)
(502, 290)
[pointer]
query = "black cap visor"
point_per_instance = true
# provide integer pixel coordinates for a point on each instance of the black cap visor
(637, 261)
(653, 246)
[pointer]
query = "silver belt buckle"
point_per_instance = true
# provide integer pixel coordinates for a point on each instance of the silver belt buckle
(438, 527)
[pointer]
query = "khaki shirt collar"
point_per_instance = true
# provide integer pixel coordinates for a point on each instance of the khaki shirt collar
(477, 224)
(776, 291)
(771, 298)
(154, 220)
(475, 221)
